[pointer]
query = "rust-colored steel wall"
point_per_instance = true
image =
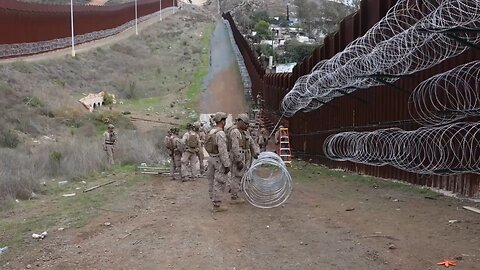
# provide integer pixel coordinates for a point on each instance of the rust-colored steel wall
(382, 107)
(27, 22)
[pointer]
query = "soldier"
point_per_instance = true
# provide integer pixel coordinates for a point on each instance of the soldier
(241, 151)
(277, 135)
(177, 152)
(219, 161)
(168, 142)
(191, 141)
(262, 139)
(278, 139)
(212, 121)
(202, 136)
(110, 138)
(260, 101)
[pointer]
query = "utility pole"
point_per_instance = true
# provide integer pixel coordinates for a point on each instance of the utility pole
(160, 12)
(73, 31)
(136, 17)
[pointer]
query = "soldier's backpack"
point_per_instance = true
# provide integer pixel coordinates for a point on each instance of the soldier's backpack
(169, 143)
(193, 140)
(228, 132)
(210, 145)
(229, 138)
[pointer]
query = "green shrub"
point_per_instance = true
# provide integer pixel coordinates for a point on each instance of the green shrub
(9, 139)
(131, 91)
(33, 101)
(107, 99)
(56, 156)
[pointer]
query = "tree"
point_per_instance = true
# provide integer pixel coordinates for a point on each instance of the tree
(261, 15)
(246, 22)
(296, 51)
(263, 30)
(323, 15)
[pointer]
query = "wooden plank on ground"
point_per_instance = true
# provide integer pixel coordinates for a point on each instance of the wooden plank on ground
(473, 209)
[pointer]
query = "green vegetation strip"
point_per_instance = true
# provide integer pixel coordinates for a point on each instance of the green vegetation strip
(193, 92)
(307, 172)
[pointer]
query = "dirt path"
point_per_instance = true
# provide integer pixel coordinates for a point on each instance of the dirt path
(167, 225)
(223, 85)
(90, 45)
(97, 2)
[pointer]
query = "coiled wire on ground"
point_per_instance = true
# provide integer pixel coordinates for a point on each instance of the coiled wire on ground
(267, 184)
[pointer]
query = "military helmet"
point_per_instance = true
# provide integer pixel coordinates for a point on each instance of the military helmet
(219, 116)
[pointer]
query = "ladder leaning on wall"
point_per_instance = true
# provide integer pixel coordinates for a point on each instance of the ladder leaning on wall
(284, 150)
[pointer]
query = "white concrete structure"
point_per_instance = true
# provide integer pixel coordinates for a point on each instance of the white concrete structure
(93, 101)
(282, 68)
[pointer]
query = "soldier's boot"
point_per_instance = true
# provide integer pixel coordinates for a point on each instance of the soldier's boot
(218, 208)
(236, 200)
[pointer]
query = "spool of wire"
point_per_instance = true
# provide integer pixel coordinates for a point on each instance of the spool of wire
(267, 184)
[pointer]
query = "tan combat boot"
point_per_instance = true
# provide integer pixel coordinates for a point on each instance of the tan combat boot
(237, 200)
(218, 208)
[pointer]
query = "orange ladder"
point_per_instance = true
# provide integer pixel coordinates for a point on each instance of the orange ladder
(284, 146)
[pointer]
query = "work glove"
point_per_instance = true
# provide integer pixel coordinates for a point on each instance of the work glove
(239, 165)
(227, 170)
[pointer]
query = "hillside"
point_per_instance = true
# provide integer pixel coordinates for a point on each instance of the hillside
(152, 75)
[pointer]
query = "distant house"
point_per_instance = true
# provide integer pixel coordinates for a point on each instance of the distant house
(276, 43)
(303, 39)
(293, 21)
(284, 68)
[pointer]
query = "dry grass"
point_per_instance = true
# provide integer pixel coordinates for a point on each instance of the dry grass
(22, 170)
(41, 98)
(135, 147)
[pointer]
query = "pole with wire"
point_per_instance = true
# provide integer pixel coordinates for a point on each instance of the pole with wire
(136, 17)
(160, 12)
(73, 31)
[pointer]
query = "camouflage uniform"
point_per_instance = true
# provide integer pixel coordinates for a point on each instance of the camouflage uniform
(168, 142)
(177, 154)
(242, 148)
(262, 139)
(277, 139)
(189, 155)
(110, 138)
(218, 163)
(202, 136)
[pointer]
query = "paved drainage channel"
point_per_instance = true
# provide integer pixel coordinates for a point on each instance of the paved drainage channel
(222, 87)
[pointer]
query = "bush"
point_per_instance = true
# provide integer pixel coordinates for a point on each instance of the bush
(131, 91)
(9, 139)
(112, 117)
(107, 99)
(33, 101)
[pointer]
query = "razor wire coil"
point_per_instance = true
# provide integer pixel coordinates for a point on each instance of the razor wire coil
(267, 183)
(413, 36)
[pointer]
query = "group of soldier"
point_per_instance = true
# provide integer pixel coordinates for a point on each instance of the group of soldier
(230, 154)
(185, 151)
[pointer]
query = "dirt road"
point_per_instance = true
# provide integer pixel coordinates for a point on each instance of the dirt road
(166, 224)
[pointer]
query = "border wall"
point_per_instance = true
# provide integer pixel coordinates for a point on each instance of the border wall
(28, 28)
(363, 110)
